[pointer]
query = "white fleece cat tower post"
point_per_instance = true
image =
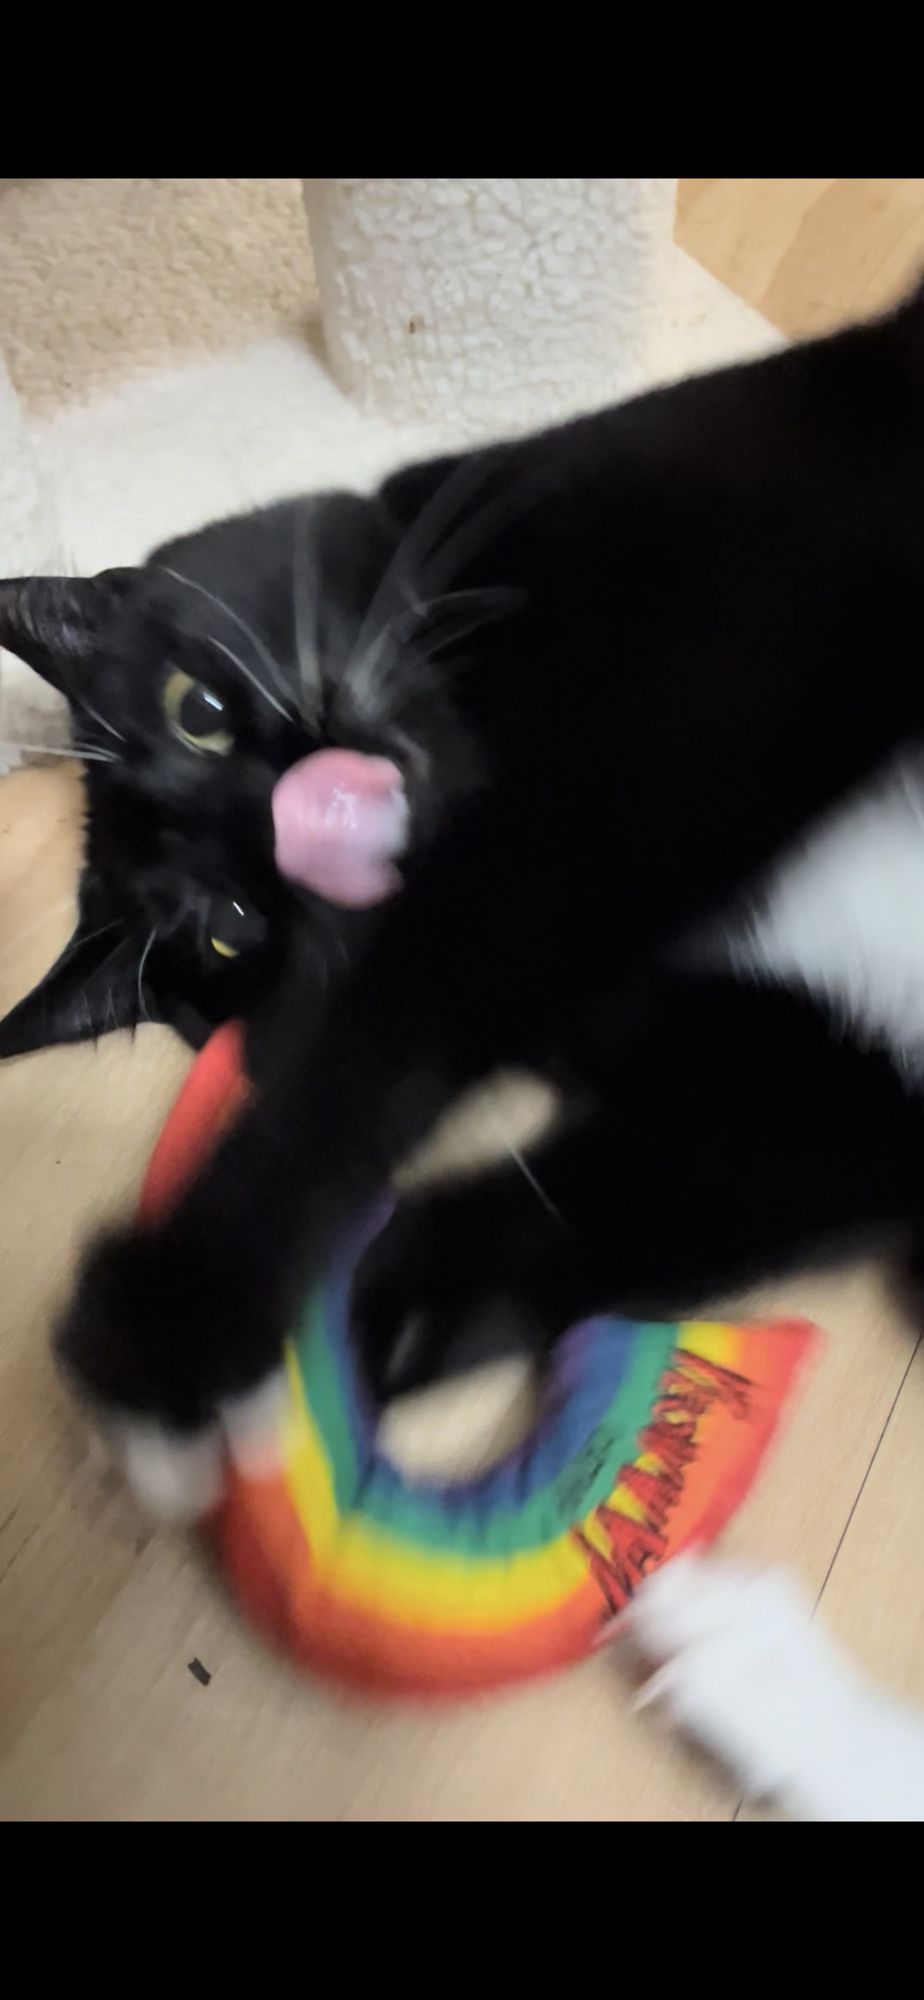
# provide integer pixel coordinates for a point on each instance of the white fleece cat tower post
(490, 304)
(30, 711)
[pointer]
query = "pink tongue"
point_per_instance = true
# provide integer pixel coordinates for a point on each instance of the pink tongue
(340, 821)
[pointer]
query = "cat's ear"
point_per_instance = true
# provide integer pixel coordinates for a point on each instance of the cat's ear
(91, 989)
(54, 623)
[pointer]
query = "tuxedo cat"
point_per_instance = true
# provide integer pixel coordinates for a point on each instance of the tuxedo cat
(471, 773)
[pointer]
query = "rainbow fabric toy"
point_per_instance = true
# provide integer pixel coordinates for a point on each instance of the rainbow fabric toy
(649, 1437)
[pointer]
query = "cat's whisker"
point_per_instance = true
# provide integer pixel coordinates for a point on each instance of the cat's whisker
(306, 609)
(365, 685)
(365, 676)
(271, 664)
(184, 909)
(483, 607)
(142, 1003)
(83, 752)
(81, 938)
(111, 1013)
(520, 1161)
(119, 945)
(471, 534)
(439, 543)
(94, 753)
(45, 916)
(101, 719)
(438, 515)
(249, 675)
(76, 942)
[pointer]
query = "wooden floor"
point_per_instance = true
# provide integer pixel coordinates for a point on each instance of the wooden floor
(100, 1614)
(807, 254)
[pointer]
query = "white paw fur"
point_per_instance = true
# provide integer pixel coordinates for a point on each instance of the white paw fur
(180, 1478)
(746, 1674)
(174, 1477)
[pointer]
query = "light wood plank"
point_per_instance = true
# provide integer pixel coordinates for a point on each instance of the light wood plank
(806, 253)
(874, 1596)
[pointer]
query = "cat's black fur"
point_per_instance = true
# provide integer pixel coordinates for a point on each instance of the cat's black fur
(703, 626)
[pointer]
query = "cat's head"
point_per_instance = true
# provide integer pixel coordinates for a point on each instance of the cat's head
(196, 682)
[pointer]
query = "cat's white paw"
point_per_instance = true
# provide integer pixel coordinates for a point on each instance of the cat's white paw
(174, 1477)
(251, 1426)
(180, 1478)
(739, 1667)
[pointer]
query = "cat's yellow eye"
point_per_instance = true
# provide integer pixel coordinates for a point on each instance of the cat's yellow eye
(235, 926)
(196, 714)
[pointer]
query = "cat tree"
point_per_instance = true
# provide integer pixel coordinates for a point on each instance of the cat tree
(487, 305)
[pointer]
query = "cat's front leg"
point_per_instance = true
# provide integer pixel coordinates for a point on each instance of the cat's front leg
(171, 1327)
(167, 1344)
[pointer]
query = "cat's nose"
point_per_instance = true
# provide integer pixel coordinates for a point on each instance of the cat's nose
(340, 821)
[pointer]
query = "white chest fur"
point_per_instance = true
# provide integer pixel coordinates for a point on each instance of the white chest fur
(844, 916)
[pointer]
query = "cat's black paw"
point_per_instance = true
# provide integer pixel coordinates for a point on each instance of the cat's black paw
(161, 1342)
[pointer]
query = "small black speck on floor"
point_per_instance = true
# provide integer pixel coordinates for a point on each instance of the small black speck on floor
(199, 1673)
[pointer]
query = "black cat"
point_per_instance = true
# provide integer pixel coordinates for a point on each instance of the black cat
(614, 669)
